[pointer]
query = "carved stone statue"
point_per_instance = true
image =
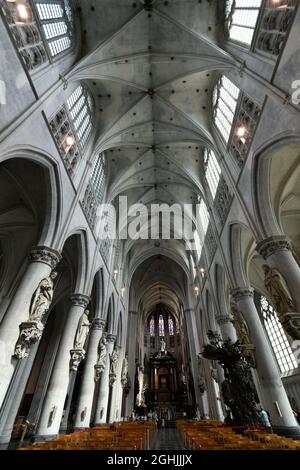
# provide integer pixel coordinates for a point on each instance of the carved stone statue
(114, 356)
(124, 374)
(42, 298)
(102, 351)
(77, 355)
(243, 335)
(278, 291)
(201, 378)
(82, 330)
(163, 346)
(31, 331)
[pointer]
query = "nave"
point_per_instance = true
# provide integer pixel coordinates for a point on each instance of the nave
(149, 224)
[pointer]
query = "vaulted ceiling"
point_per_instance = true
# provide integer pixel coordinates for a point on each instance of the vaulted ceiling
(151, 66)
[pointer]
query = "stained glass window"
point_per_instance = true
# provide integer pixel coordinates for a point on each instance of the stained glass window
(171, 326)
(161, 326)
(152, 327)
(281, 347)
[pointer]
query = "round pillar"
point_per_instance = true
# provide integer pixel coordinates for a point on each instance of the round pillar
(53, 406)
(42, 261)
(275, 395)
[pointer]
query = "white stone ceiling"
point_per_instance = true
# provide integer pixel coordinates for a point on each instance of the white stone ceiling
(152, 69)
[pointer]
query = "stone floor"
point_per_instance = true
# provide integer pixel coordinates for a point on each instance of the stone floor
(167, 440)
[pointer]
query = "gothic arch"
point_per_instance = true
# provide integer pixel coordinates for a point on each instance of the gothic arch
(269, 195)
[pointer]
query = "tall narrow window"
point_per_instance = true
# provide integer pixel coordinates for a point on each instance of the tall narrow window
(204, 216)
(225, 99)
(171, 326)
(282, 350)
(56, 21)
(152, 326)
(212, 171)
(242, 17)
(161, 326)
(80, 108)
(198, 244)
(98, 177)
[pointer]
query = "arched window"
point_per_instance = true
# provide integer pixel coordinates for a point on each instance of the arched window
(80, 107)
(204, 216)
(212, 171)
(171, 326)
(152, 326)
(241, 16)
(57, 24)
(225, 99)
(161, 326)
(282, 350)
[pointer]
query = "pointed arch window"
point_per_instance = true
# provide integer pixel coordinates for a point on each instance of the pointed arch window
(212, 171)
(225, 97)
(281, 347)
(170, 326)
(152, 326)
(242, 18)
(161, 326)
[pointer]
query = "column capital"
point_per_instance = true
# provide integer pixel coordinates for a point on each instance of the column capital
(189, 310)
(272, 245)
(98, 324)
(223, 319)
(111, 338)
(46, 255)
(133, 312)
(79, 300)
(241, 292)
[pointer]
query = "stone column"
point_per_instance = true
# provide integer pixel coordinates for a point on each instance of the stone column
(274, 393)
(226, 327)
(102, 403)
(193, 343)
(85, 401)
(131, 348)
(115, 388)
(42, 261)
(277, 251)
(53, 406)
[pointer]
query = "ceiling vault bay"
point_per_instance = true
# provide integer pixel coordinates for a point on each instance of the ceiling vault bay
(151, 70)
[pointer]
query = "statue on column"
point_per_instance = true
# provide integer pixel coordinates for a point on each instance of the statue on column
(282, 301)
(243, 335)
(278, 291)
(201, 378)
(42, 298)
(78, 353)
(124, 374)
(31, 331)
(114, 356)
(102, 354)
(82, 330)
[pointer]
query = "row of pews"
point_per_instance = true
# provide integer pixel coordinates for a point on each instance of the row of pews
(212, 435)
(118, 436)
